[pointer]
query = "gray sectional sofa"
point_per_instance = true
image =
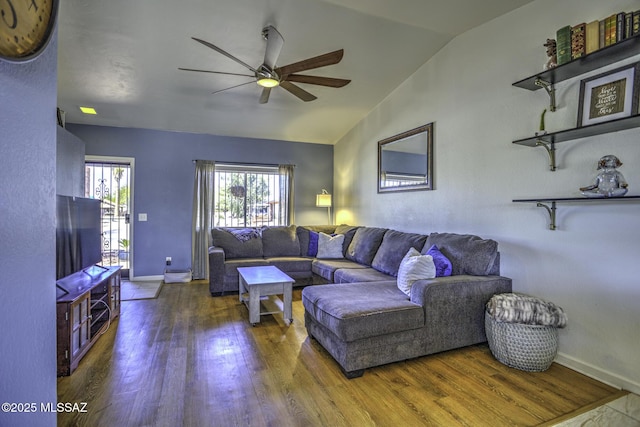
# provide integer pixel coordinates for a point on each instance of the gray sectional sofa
(359, 315)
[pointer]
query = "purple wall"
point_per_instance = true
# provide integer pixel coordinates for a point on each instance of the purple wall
(163, 181)
(27, 236)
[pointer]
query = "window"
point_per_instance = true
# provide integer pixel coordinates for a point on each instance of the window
(250, 196)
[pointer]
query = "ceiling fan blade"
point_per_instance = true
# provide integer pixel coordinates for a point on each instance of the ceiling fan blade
(297, 91)
(216, 72)
(264, 98)
(228, 55)
(316, 80)
(311, 63)
(274, 46)
(232, 87)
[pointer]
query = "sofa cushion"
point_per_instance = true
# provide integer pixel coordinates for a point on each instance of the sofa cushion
(349, 231)
(393, 248)
(231, 266)
(289, 264)
(365, 244)
(326, 267)
(362, 310)
(468, 254)
(352, 275)
(233, 247)
(414, 266)
(280, 241)
(330, 247)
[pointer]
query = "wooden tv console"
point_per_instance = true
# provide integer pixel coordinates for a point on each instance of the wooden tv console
(87, 303)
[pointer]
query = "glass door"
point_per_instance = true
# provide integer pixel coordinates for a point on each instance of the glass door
(110, 181)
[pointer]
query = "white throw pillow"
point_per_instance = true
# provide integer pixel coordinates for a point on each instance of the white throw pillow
(330, 246)
(414, 266)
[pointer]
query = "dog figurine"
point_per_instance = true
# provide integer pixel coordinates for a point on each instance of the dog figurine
(608, 182)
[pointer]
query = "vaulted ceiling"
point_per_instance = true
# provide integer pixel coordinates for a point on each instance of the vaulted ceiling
(122, 58)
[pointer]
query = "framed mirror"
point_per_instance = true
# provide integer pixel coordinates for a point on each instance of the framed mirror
(405, 161)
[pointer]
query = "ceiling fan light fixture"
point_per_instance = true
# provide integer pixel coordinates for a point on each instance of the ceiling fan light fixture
(268, 75)
(268, 82)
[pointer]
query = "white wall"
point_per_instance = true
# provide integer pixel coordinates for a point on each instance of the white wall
(587, 265)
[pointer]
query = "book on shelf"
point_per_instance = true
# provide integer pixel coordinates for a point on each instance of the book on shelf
(563, 44)
(620, 21)
(610, 30)
(578, 42)
(592, 36)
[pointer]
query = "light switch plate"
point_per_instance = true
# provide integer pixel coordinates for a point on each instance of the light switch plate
(142, 217)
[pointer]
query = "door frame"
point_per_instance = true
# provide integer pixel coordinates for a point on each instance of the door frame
(131, 161)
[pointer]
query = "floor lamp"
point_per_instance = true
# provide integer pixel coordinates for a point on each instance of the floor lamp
(323, 200)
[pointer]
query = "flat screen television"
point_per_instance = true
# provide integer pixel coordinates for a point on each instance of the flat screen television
(78, 234)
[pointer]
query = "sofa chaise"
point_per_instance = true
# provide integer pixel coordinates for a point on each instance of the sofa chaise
(359, 314)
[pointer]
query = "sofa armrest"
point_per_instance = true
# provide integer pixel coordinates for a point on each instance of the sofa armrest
(216, 269)
(454, 307)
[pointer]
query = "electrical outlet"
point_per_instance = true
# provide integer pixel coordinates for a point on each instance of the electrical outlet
(168, 260)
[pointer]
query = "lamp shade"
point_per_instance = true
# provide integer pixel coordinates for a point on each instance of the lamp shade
(323, 200)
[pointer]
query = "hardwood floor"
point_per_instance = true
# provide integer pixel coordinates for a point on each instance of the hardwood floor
(188, 359)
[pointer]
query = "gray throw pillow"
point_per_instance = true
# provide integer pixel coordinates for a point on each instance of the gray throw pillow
(330, 247)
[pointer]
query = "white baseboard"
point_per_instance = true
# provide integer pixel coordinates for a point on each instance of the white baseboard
(146, 278)
(597, 373)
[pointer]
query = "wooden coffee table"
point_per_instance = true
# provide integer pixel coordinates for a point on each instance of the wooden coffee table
(263, 284)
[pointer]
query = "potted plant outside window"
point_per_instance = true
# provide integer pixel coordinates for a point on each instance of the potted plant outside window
(123, 253)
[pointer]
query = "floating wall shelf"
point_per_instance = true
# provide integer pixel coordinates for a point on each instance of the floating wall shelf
(549, 140)
(543, 202)
(582, 132)
(598, 59)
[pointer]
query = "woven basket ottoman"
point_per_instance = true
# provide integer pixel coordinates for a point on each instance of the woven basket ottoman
(526, 347)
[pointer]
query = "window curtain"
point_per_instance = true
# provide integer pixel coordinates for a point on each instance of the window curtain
(287, 201)
(202, 223)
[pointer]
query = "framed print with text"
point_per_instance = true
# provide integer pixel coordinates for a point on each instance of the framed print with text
(609, 96)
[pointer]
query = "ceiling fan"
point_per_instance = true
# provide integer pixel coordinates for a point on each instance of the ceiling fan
(268, 75)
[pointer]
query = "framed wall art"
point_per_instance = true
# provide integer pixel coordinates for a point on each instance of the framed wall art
(609, 96)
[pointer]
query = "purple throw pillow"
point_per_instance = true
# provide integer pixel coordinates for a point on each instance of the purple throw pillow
(442, 263)
(313, 244)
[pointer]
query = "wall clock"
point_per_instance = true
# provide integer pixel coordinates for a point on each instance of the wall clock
(25, 28)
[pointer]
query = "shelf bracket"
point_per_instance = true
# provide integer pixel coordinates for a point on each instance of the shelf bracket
(551, 151)
(552, 213)
(551, 91)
